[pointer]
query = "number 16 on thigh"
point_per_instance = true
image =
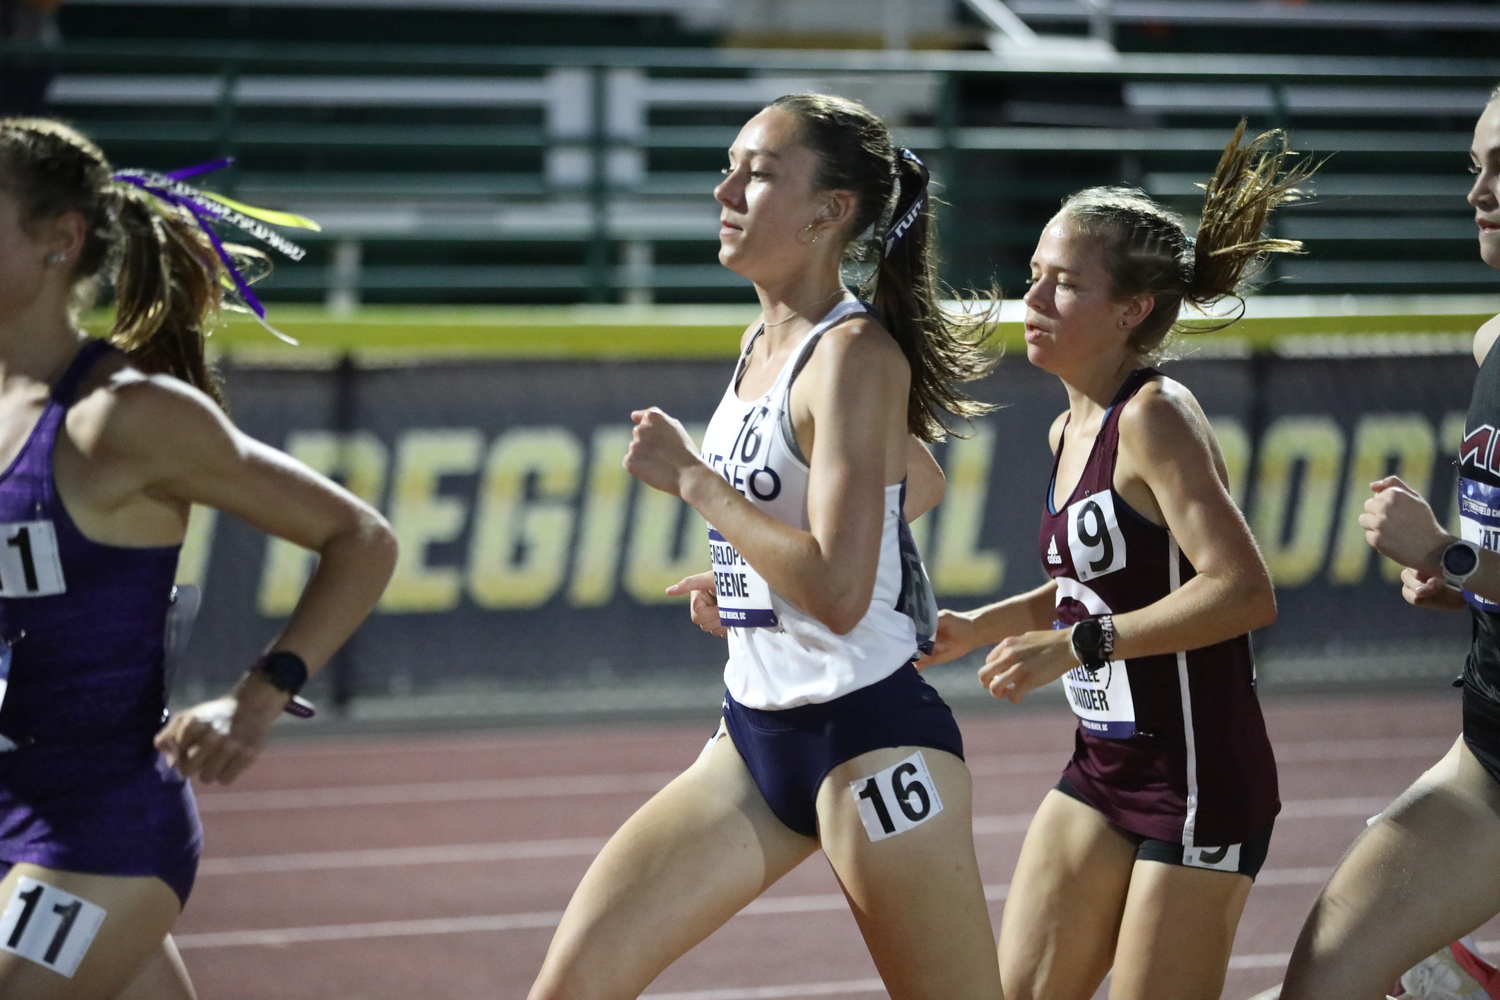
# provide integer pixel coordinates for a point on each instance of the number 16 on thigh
(48, 926)
(896, 799)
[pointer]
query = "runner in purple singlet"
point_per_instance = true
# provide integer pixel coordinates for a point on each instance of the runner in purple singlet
(104, 447)
(1142, 857)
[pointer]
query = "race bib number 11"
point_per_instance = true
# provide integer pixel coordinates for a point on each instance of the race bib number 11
(48, 926)
(896, 799)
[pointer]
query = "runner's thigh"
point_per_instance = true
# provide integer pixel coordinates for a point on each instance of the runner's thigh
(1423, 874)
(48, 926)
(1177, 932)
(915, 891)
(1062, 915)
(687, 861)
(161, 977)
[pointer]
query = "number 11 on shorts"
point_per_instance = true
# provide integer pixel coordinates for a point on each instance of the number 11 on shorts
(48, 926)
(896, 799)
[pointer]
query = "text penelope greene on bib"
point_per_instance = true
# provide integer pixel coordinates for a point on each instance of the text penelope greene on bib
(744, 596)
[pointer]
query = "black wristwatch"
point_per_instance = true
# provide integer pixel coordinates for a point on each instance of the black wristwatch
(286, 672)
(1093, 641)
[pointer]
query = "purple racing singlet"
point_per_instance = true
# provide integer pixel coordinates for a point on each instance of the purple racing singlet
(83, 631)
(1171, 747)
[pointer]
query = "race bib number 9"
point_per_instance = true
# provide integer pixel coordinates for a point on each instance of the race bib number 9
(29, 564)
(49, 926)
(1220, 859)
(1094, 537)
(896, 799)
(744, 596)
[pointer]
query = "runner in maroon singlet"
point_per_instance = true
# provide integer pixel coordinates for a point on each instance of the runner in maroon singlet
(1143, 855)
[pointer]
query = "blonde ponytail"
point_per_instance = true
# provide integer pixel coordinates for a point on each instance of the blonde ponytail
(1147, 251)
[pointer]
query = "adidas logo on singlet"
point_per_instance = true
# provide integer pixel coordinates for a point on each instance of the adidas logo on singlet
(1053, 559)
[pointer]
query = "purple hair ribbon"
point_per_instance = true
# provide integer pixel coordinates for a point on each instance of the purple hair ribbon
(909, 217)
(207, 209)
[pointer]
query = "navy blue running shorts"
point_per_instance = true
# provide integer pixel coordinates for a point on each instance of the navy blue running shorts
(1252, 853)
(790, 751)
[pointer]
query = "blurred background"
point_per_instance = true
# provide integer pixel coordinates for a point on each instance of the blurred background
(518, 248)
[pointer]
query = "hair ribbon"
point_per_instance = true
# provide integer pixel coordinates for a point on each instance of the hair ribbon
(908, 218)
(207, 207)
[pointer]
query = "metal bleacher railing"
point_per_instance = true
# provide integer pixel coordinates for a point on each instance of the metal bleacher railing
(611, 152)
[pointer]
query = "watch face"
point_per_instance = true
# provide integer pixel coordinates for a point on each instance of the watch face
(1460, 560)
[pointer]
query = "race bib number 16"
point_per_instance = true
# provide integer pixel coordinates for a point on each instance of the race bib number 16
(48, 926)
(896, 799)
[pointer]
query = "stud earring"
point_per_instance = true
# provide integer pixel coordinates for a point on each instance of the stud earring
(56, 257)
(1122, 322)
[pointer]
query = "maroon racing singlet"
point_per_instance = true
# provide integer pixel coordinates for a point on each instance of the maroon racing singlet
(1171, 747)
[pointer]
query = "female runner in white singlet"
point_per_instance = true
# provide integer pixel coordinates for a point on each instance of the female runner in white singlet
(830, 738)
(1142, 857)
(1427, 869)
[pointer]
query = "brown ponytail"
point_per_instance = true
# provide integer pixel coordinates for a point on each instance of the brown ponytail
(944, 349)
(165, 276)
(1146, 249)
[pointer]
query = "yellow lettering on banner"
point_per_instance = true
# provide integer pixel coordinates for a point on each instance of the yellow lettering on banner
(421, 517)
(1234, 445)
(1380, 440)
(960, 567)
(596, 560)
(1292, 525)
(360, 460)
(519, 553)
(1451, 438)
(668, 541)
(197, 546)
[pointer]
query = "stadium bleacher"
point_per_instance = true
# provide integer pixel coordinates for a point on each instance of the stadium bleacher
(448, 165)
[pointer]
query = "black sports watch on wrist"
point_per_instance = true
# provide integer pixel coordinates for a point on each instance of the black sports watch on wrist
(286, 672)
(1088, 641)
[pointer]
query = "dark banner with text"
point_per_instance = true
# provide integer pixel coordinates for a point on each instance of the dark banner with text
(529, 555)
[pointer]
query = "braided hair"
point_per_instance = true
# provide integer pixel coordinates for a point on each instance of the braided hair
(1146, 249)
(165, 275)
(944, 349)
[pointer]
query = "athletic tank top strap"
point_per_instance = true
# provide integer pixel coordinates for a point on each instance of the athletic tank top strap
(1099, 475)
(83, 362)
(782, 390)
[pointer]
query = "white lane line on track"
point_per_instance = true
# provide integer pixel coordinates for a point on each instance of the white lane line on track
(388, 857)
(435, 791)
(765, 906)
(1316, 751)
(587, 847)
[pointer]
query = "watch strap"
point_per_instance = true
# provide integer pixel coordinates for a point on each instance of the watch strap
(284, 670)
(1456, 581)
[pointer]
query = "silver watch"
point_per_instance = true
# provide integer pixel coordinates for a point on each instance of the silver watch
(1460, 561)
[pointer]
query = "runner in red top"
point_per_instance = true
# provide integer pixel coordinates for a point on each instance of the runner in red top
(1142, 857)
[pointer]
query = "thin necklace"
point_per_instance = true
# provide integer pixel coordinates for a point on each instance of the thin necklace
(798, 312)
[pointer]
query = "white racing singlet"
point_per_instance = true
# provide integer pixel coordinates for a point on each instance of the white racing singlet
(779, 656)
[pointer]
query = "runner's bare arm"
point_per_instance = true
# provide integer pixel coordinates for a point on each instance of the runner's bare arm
(1166, 440)
(184, 450)
(961, 632)
(829, 571)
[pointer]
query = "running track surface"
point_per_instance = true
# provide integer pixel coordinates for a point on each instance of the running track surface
(435, 867)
